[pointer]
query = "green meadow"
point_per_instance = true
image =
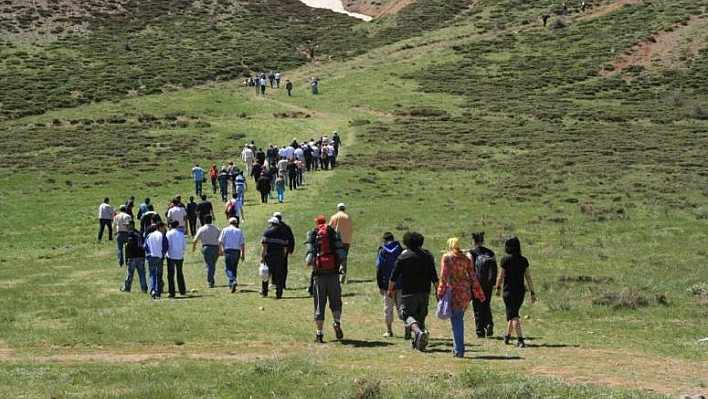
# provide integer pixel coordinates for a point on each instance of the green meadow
(456, 116)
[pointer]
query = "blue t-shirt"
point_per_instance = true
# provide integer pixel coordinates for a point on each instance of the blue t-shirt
(198, 173)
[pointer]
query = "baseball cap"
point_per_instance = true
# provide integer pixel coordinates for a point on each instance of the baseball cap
(233, 220)
(277, 214)
(320, 219)
(274, 220)
(341, 205)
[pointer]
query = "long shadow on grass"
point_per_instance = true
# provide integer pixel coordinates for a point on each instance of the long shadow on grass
(364, 344)
(497, 357)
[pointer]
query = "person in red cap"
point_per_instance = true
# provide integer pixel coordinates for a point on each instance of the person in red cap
(324, 253)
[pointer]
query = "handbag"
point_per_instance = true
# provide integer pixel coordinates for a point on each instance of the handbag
(264, 272)
(444, 309)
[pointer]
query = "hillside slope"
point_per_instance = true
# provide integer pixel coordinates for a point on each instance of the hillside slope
(587, 139)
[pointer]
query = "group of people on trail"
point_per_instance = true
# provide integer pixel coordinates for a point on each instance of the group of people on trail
(405, 277)
(273, 170)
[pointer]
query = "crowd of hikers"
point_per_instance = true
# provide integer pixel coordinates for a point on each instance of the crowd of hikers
(405, 274)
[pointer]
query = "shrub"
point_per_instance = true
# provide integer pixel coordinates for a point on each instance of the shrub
(699, 290)
(558, 23)
(625, 299)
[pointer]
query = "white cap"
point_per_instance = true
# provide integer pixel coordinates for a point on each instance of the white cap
(233, 221)
(277, 214)
(341, 205)
(274, 220)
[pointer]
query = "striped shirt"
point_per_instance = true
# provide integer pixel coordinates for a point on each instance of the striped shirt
(209, 234)
(231, 237)
(275, 238)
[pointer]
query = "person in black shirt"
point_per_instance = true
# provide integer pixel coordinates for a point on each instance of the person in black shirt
(514, 268)
(415, 268)
(134, 259)
(485, 266)
(192, 216)
(204, 207)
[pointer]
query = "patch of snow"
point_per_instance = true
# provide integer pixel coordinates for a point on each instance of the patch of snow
(334, 5)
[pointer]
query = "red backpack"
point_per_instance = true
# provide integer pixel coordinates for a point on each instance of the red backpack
(326, 258)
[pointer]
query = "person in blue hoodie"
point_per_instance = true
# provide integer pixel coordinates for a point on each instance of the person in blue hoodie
(387, 255)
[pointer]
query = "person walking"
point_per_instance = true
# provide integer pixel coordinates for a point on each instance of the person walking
(213, 174)
(324, 250)
(208, 234)
(204, 208)
(120, 227)
(232, 245)
(275, 250)
(134, 259)
(514, 268)
(485, 267)
(342, 223)
(457, 273)
(289, 87)
(155, 251)
(106, 211)
(176, 245)
(223, 179)
(198, 176)
(416, 270)
(386, 257)
(192, 215)
(288, 232)
(263, 187)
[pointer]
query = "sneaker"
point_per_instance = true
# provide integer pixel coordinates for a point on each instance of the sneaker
(421, 340)
(122, 289)
(407, 333)
(319, 338)
(490, 330)
(262, 293)
(506, 339)
(520, 343)
(233, 287)
(338, 330)
(153, 294)
(388, 334)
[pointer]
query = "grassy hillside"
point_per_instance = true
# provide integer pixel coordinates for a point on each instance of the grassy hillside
(587, 139)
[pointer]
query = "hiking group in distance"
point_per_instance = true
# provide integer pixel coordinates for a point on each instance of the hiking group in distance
(405, 274)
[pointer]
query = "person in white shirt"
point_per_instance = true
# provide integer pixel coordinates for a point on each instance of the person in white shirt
(177, 213)
(155, 250)
(176, 244)
(233, 246)
(106, 211)
(247, 156)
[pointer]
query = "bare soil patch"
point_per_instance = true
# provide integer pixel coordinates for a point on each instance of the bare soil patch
(659, 50)
(376, 8)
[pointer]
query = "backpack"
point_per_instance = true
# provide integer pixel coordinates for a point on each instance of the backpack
(230, 211)
(325, 251)
(485, 266)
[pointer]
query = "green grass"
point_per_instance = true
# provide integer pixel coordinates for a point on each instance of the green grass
(445, 133)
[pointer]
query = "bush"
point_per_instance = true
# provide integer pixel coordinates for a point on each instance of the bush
(625, 299)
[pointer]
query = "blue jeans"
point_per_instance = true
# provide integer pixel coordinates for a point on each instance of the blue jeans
(198, 186)
(121, 239)
(281, 194)
(458, 332)
(131, 265)
(155, 282)
(211, 255)
(231, 258)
